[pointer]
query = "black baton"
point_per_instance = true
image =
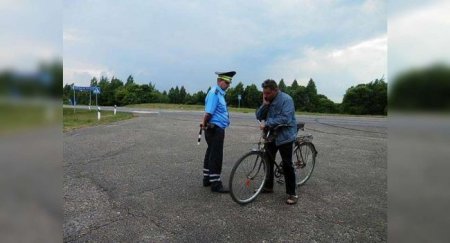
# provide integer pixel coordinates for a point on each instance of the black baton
(200, 135)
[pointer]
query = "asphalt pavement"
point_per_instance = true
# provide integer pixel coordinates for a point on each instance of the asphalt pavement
(140, 180)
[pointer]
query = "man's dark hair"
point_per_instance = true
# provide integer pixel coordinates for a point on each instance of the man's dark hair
(269, 83)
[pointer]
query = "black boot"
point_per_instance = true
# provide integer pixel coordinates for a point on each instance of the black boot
(206, 182)
(218, 187)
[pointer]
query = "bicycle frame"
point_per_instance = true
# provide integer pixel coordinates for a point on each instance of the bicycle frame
(262, 149)
(278, 172)
(253, 169)
(249, 181)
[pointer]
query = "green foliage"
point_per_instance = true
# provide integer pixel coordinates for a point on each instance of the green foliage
(67, 91)
(130, 80)
(425, 89)
(252, 97)
(174, 95)
(199, 98)
(232, 95)
(361, 99)
(294, 85)
(46, 82)
(54, 70)
(162, 97)
(300, 97)
(305, 98)
(325, 105)
(311, 88)
(94, 82)
(311, 93)
(282, 85)
(182, 97)
(366, 99)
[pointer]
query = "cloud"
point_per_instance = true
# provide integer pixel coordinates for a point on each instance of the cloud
(418, 37)
(25, 54)
(370, 6)
(183, 42)
(31, 33)
(71, 35)
(11, 5)
(83, 76)
(334, 70)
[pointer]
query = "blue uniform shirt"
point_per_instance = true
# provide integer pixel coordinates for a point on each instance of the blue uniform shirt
(216, 105)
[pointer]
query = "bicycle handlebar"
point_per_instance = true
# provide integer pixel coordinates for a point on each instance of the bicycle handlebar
(300, 126)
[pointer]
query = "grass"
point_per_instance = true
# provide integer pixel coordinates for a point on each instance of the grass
(20, 117)
(231, 109)
(85, 118)
(168, 106)
(186, 107)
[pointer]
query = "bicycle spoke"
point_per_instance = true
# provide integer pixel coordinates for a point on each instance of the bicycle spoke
(303, 170)
(247, 178)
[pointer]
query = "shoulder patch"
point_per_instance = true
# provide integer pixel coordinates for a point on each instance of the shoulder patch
(216, 91)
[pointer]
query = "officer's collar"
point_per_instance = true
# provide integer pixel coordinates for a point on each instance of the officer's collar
(221, 91)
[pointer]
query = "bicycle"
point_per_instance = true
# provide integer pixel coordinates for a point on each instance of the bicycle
(249, 173)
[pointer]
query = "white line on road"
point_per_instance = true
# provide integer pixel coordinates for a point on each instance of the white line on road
(146, 112)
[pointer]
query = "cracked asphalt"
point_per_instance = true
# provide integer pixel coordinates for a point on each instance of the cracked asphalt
(140, 180)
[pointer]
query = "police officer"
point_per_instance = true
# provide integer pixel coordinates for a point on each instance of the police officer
(215, 120)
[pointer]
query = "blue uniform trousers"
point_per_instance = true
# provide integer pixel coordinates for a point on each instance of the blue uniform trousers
(212, 164)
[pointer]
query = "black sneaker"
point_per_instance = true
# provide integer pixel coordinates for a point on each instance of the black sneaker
(206, 182)
(218, 187)
(264, 190)
(267, 190)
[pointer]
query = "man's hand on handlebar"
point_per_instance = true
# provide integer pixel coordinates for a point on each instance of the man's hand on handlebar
(262, 125)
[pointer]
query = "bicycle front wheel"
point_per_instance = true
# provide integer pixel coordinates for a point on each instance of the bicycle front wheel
(247, 177)
(304, 159)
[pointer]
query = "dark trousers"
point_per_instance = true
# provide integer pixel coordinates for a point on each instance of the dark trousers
(288, 168)
(212, 164)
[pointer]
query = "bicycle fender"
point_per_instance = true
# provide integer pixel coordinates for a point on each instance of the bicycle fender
(312, 145)
(314, 148)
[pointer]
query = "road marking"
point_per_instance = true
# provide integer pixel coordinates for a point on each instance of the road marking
(146, 112)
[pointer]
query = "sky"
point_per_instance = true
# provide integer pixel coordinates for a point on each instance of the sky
(336, 43)
(31, 32)
(419, 34)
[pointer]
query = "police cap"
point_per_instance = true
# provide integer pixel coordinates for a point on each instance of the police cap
(226, 76)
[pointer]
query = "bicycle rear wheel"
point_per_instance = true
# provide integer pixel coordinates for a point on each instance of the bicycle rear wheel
(247, 177)
(304, 159)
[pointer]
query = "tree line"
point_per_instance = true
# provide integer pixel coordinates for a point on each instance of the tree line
(421, 89)
(370, 98)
